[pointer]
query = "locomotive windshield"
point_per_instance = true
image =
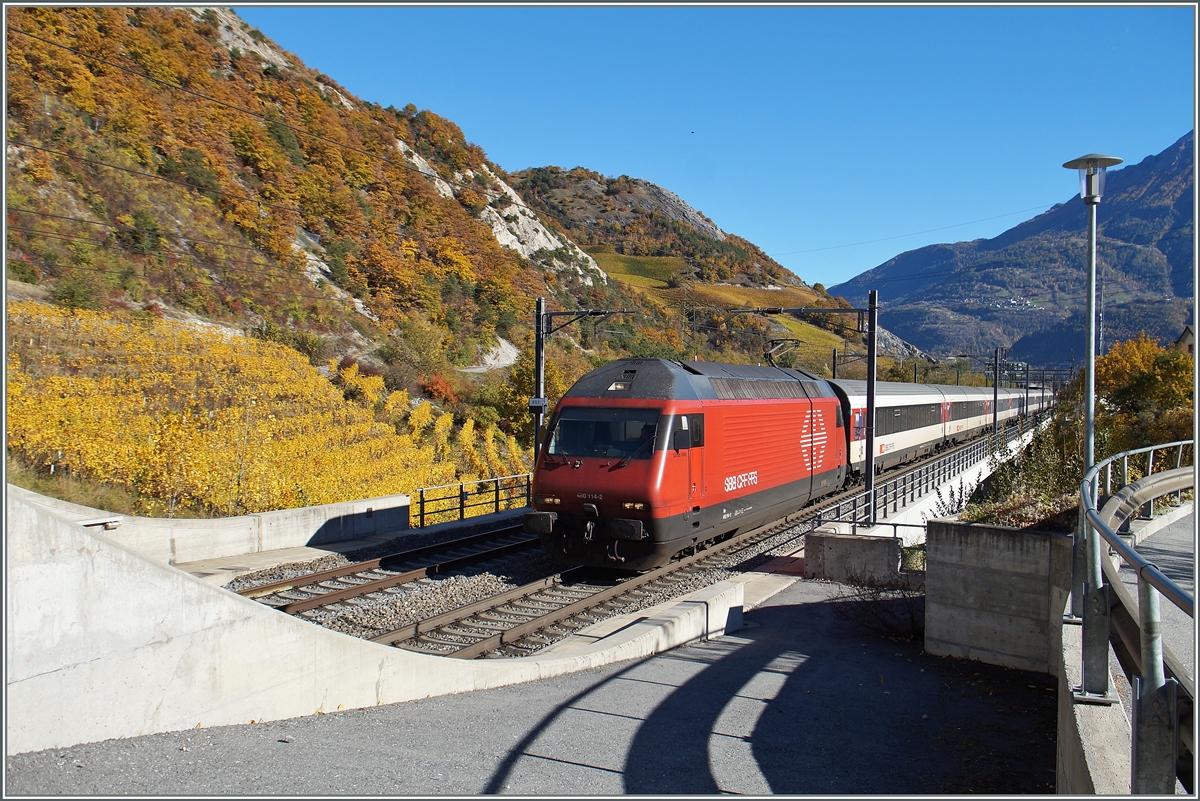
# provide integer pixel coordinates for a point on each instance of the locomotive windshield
(622, 433)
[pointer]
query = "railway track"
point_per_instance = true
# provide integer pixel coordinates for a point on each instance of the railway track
(388, 573)
(524, 620)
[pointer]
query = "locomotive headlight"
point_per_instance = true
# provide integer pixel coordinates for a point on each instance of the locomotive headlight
(635, 505)
(549, 500)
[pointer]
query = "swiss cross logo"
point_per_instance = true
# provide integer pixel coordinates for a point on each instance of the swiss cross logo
(812, 449)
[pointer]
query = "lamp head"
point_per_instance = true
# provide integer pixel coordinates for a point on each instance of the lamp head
(1091, 174)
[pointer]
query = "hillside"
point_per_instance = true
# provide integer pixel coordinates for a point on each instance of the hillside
(175, 162)
(1026, 288)
(649, 239)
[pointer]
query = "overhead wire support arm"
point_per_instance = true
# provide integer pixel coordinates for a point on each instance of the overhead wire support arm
(544, 327)
(578, 315)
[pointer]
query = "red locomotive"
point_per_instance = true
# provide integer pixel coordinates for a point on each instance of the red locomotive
(647, 457)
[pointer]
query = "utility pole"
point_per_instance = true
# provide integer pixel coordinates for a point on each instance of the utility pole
(996, 394)
(544, 327)
(1026, 388)
(869, 467)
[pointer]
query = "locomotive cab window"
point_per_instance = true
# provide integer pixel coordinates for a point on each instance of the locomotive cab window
(600, 432)
(687, 431)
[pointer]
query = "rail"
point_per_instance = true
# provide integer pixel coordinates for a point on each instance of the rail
(1157, 729)
(449, 502)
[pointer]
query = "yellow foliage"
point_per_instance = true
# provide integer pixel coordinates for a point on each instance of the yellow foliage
(419, 419)
(197, 419)
(441, 432)
(395, 406)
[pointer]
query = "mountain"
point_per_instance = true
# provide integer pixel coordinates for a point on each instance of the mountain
(1026, 288)
(639, 218)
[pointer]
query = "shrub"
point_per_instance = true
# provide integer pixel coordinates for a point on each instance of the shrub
(439, 388)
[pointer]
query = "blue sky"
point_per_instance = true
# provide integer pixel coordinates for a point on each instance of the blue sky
(832, 137)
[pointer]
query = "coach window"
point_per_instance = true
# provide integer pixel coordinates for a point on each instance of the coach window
(696, 426)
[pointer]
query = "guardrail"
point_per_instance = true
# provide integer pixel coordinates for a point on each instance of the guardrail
(1157, 729)
(449, 502)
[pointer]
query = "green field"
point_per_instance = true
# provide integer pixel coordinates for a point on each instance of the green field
(642, 271)
(649, 274)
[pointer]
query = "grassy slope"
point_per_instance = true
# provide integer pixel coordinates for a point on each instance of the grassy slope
(649, 274)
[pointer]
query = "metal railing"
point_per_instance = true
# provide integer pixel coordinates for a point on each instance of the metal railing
(1157, 732)
(897, 493)
(472, 498)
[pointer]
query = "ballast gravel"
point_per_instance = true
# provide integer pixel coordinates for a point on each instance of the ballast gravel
(368, 616)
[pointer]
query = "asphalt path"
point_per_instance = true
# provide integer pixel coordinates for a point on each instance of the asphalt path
(801, 701)
(1173, 550)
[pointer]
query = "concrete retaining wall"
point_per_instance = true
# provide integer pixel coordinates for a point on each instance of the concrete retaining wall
(841, 557)
(996, 594)
(183, 540)
(102, 643)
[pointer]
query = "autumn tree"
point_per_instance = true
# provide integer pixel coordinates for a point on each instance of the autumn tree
(1144, 393)
(515, 394)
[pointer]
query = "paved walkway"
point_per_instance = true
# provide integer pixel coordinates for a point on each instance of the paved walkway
(1173, 549)
(800, 701)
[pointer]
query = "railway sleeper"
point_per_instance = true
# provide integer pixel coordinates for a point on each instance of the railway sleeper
(444, 637)
(524, 603)
(522, 614)
(510, 618)
(490, 626)
(289, 595)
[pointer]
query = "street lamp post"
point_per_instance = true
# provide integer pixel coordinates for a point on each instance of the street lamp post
(1091, 169)
(1089, 595)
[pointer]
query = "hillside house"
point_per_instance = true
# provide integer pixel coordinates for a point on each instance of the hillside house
(1187, 340)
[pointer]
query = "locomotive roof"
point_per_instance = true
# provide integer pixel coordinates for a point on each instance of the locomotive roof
(671, 380)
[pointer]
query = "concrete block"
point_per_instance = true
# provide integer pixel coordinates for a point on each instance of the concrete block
(839, 557)
(176, 541)
(996, 594)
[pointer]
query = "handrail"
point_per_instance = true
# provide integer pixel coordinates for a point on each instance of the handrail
(1088, 490)
(456, 502)
(1156, 720)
